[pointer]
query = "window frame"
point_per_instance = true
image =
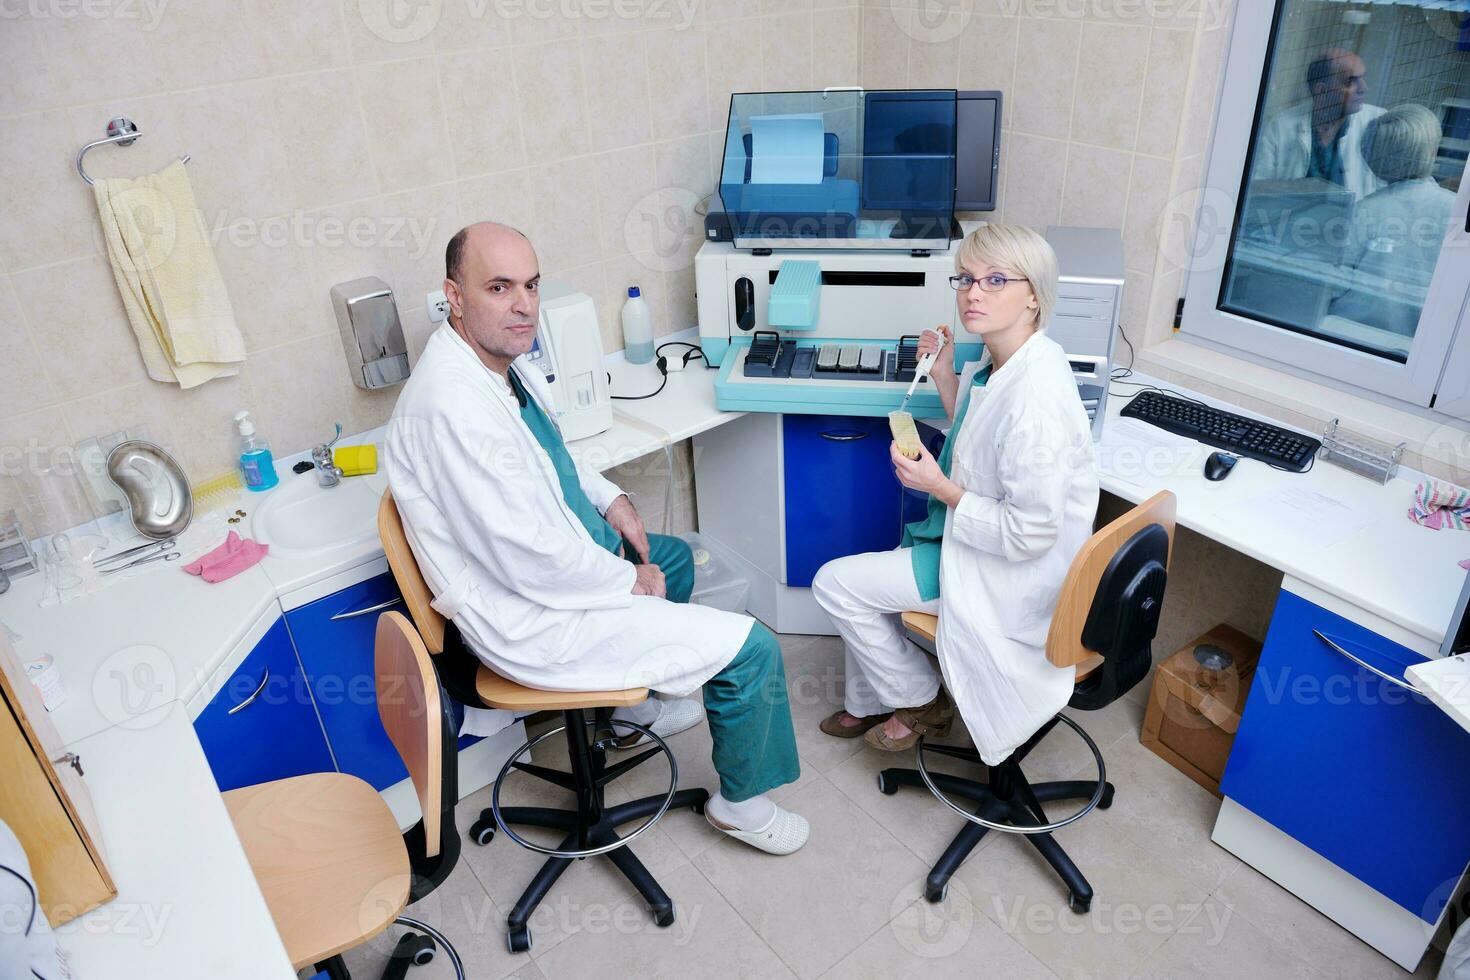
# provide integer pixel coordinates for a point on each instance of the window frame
(1439, 342)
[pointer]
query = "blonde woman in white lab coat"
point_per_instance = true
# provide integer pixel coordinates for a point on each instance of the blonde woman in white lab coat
(1012, 500)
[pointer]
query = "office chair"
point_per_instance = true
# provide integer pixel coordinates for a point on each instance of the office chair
(326, 849)
(1106, 617)
(591, 829)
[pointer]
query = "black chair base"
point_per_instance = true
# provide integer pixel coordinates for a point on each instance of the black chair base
(1007, 797)
(591, 825)
(413, 949)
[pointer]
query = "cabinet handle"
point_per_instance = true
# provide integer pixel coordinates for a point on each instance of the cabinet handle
(251, 700)
(844, 436)
(1365, 665)
(368, 611)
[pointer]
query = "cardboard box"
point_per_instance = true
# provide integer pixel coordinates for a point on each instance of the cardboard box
(1193, 712)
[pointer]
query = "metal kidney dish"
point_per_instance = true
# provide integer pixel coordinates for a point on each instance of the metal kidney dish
(161, 504)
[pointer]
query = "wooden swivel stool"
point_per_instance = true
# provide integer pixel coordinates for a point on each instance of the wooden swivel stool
(1105, 619)
(325, 848)
(591, 828)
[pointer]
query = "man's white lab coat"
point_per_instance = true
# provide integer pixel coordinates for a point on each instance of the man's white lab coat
(1284, 150)
(509, 562)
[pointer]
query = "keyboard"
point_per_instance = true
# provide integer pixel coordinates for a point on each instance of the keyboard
(1225, 430)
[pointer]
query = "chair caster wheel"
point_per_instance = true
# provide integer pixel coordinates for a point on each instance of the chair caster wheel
(698, 807)
(418, 950)
(886, 784)
(519, 940)
(935, 893)
(482, 832)
(1078, 904)
(664, 917)
(1107, 797)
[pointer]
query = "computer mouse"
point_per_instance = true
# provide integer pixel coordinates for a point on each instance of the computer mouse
(1219, 465)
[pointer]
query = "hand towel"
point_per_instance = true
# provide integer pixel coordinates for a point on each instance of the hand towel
(229, 559)
(1439, 504)
(169, 280)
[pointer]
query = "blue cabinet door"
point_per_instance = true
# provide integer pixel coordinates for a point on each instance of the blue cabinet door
(1374, 778)
(841, 496)
(334, 637)
(262, 725)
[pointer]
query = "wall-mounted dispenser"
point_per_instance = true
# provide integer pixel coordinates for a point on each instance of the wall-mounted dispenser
(372, 336)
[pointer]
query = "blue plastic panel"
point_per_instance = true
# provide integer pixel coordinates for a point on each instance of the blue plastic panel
(275, 736)
(840, 492)
(338, 659)
(1373, 778)
(795, 300)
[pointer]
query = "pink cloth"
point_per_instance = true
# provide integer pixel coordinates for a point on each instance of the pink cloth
(1439, 504)
(1465, 564)
(229, 559)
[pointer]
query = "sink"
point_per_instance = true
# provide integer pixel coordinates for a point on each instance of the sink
(300, 519)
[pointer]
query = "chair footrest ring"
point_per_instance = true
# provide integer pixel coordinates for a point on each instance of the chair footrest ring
(505, 770)
(1008, 828)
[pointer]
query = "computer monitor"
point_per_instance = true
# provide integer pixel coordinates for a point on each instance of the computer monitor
(977, 150)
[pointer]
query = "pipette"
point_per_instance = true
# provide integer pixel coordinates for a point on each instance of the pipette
(921, 371)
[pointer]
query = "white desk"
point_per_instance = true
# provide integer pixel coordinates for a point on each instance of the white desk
(1404, 574)
(1446, 682)
(187, 903)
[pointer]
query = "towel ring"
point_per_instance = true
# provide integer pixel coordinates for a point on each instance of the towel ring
(120, 130)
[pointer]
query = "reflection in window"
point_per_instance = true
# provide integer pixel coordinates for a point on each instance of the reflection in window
(1353, 167)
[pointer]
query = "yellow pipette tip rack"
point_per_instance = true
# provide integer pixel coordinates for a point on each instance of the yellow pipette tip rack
(905, 433)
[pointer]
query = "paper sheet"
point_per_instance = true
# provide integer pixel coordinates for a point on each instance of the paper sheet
(786, 149)
(1139, 453)
(1299, 514)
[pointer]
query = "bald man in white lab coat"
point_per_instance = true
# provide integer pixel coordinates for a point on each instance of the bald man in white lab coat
(524, 549)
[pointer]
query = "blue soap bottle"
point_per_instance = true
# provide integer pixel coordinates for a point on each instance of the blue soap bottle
(256, 465)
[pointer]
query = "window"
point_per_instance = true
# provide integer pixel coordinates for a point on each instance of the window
(1339, 246)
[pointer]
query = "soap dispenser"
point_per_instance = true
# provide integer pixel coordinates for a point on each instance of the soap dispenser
(257, 467)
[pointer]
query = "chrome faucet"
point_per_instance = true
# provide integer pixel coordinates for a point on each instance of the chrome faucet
(328, 474)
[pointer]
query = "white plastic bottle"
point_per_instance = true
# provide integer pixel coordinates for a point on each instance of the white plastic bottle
(637, 328)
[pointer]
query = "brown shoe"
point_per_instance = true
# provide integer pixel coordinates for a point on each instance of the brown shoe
(933, 719)
(832, 724)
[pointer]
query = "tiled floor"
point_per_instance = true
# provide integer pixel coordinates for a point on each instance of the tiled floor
(1169, 904)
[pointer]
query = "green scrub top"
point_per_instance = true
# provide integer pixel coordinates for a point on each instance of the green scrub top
(566, 471)
(925, 538)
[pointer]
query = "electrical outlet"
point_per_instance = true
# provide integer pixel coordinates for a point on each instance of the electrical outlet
(438, 305)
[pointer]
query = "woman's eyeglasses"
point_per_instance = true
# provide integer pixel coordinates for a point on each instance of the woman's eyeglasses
(992, 283)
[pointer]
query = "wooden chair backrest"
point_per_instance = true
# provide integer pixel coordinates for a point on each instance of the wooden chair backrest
(409, 706)
(416, 594)
(1064, 641)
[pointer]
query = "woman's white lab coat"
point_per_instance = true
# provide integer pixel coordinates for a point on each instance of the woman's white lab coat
(1025, 459)
(1393, 246)
(507, 559)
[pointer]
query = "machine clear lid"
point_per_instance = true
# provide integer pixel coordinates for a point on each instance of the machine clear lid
(843, 168)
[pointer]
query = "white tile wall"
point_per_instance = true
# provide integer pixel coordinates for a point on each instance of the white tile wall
(330, 142)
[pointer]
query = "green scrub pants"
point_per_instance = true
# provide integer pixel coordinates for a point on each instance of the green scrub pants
(749, 717)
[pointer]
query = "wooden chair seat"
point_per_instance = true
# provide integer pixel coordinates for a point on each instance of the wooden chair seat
(329, 859)
(502, 692)
(926, 626)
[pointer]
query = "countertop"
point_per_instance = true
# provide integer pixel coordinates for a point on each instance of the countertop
(187, 902)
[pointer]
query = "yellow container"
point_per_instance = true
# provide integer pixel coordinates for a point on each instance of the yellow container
(356, 460)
